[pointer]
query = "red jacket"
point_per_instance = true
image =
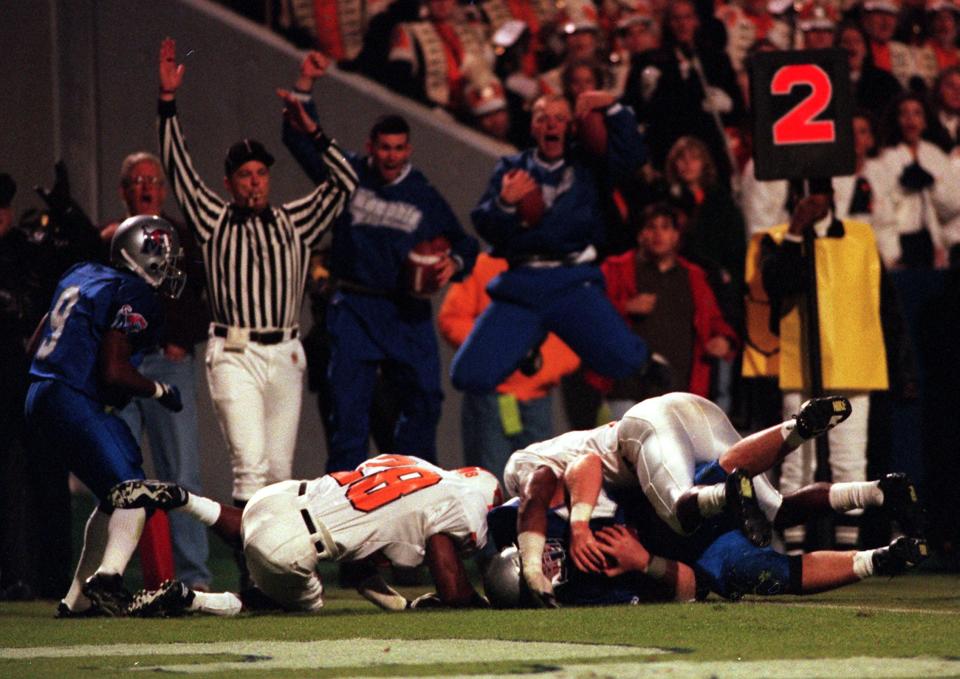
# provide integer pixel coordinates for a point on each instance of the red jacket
(620, 273)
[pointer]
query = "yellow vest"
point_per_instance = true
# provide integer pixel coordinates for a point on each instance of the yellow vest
(852, 352)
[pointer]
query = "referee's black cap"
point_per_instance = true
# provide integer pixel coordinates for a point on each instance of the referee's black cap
(244, 151)
(8, 189)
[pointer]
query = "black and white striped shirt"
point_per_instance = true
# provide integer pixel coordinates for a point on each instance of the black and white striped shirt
(257, 264)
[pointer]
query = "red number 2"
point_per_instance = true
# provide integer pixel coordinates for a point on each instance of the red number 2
(798, 125)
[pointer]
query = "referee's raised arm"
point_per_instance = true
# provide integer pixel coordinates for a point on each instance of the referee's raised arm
(257, 261)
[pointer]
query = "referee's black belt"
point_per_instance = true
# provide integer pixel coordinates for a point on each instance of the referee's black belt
(260, 337)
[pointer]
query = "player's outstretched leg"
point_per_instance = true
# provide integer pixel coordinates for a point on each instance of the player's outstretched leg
(818, 415)
(148, 494)
(743, 508)
(172, 598)
(107, 593)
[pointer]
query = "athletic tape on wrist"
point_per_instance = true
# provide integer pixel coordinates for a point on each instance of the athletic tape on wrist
(581, 511)
(531, 551)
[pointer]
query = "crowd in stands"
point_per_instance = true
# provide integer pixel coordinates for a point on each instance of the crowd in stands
(660, 203)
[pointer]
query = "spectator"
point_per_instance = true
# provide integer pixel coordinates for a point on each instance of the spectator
(747, 23)
(174, 438)
(635, 32)
(427, 57)
(375, 321)
(873, 88)
(255, 361)
(18, 259)
(942, 20)
(688, 87)
(945, 131)
(520, 411)
(581, 40)
(666, 300)
(817, 22)
(848, 285)
(925, 202)
(550, 240)
(535, 18)
(486, 105)
(879, 21)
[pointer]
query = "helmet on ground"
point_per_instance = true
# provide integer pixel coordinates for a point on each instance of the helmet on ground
(149, 247)
(502, 581)
(485, 482)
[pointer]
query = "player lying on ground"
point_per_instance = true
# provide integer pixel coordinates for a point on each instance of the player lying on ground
(397, 507)
(655, 447)
(666, 566)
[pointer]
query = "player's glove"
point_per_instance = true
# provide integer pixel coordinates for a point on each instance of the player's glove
(168, 396)
(915, 178)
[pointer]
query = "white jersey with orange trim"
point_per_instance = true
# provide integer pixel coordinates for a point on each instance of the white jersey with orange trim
(393, 504)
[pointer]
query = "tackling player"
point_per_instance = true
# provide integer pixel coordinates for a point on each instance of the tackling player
(102, 321)
(395, 506)
(716, 559)
(656, 447)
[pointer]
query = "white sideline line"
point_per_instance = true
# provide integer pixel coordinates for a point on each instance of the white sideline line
(852, 607)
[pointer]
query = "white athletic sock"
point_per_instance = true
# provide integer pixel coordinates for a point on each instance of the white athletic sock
(203, 509)
(863, 563)
(711, 499)
(788, 430)
(94, 542)
(123, 535)
(855, 495)
(226, 604)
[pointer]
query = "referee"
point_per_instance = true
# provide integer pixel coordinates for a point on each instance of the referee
(256, 258)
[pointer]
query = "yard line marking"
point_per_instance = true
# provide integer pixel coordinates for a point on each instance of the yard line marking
(854, 607)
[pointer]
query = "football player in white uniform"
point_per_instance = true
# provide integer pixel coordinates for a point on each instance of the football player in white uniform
(395, 506)
(656, 445)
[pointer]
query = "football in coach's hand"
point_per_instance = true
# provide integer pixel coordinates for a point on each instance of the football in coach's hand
(423, 265)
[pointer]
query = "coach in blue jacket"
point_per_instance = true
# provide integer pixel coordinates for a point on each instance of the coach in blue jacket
(373, 322)
(553, 283)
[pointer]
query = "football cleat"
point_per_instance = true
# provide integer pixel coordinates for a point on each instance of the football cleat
(818, 415)
(64, 611)
(901, 501)
(172, 599)
(743, 509)
(107, 593)
(899, 555)
(147, 494)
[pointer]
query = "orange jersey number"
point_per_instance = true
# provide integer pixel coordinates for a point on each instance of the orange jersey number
(367, 493)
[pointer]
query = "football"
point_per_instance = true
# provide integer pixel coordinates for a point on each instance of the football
(592, 132)
(423, 266)
(531, 207)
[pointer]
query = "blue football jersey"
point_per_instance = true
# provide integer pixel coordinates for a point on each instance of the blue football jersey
(90, 300)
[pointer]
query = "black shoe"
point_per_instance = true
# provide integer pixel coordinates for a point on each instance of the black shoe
(899, 555)
(63, 611)
(743, 508)
(172, 599)
(147, 494)
(901, 501)
(818, 415)
(107, 593)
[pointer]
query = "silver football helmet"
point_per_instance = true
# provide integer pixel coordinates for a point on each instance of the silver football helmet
(502, 580)
(150, 247)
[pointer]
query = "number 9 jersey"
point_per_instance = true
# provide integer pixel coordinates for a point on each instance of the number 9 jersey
(90, 300)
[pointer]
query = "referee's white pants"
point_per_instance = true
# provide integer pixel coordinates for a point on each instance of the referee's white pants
(279, 549)
(257, 395)
(848, 458)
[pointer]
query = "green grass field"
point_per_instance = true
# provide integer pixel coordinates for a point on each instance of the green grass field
(909, 626)
(903, 627)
